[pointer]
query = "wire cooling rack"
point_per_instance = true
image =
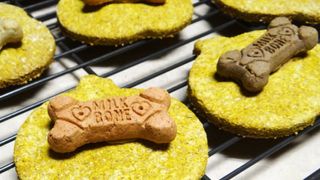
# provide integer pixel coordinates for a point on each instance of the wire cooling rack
(82, 59)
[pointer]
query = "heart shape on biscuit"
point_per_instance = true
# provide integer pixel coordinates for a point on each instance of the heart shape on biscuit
(81, 112)
(141, 108)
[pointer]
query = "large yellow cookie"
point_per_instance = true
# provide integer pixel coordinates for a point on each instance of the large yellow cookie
(122, 23)
(184, 158)
(307, 11)
(23, 62)
(288, 103)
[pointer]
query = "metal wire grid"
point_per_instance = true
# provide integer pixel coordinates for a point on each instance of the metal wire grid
(72, 51)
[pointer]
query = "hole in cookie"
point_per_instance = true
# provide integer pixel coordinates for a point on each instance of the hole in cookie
(140, 107)
(81, 113)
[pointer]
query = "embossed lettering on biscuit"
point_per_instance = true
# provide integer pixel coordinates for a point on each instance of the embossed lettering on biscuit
(118, 118)
(252, 65)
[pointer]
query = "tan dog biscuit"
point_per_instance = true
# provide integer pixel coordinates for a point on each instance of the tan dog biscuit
(10, 32)
(26, 60)
(119, 118)
(99, 2)
(253, 64)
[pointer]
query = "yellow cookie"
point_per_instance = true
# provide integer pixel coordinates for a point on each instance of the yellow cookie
(122, 23)
(288, 103)
(307, 11)
(23, 62)
(184, 158)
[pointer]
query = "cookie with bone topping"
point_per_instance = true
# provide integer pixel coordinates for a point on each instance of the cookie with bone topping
(24, 59)
(122, 23)
(287, 104)
(183, 158)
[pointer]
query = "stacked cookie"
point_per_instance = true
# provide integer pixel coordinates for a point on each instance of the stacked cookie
(176, 159)
(122, 23)
(287, 104)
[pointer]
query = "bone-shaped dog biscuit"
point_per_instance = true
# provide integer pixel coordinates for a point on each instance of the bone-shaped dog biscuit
(99, 2)
(10, 32)
(143, 116)
(253, 64)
